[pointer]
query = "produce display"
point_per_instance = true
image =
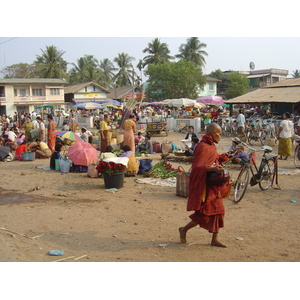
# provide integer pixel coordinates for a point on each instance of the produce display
(162, 169)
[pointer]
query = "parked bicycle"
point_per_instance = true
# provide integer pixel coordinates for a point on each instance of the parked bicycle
(263, 175)
(253, 131)
(268, 131)
(297, 152)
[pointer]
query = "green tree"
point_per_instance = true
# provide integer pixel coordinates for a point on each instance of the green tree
(296, 73)
(180, 79)
(221, 86)
(237, 85)
(85, 70)
(107, 72)
(158, 53)
(21, 70)
(51, 64)
(192, 51)
(124, 67)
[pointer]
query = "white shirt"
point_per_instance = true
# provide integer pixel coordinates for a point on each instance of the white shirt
(241, 120)
(287, 129)
(11, 135)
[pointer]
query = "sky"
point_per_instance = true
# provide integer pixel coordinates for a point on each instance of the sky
(225, 53)
(262, 32)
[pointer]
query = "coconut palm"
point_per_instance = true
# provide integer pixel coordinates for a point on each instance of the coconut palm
(50, 64)
(296, 73)
(158, 53)
(107, 72)
(85, 70)
(192, 51)
(123, 76)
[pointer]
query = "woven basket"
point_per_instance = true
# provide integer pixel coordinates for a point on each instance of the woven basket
(179, 153)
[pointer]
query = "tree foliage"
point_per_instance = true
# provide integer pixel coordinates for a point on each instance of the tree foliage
(296, 73)
(124, 67)
(51, 64)
(158, 53)
(21, 70)
(192, 51)
(173, 80)
(237, 85)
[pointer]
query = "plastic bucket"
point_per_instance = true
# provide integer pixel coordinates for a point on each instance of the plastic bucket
(113, 180)
(65, 165)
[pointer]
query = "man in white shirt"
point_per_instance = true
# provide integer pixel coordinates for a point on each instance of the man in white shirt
(41, 129)
(241, 124)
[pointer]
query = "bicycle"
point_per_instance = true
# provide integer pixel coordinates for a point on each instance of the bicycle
(268, 132)
(263, 175)
(297, 152)
(253, 132)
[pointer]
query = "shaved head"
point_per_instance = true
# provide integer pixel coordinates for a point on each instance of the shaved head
(211, 128)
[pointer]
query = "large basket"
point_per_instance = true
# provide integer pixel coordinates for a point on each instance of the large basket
(179, 153)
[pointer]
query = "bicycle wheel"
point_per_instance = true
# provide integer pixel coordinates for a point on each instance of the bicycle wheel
(253, 138)
(263, 137)
(297, 157)
(241, 184)
(266, 175)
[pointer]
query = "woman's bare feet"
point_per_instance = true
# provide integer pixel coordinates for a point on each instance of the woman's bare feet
(217, 244)
(182, 235)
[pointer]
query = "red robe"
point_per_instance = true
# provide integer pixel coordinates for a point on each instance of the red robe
(204, 200)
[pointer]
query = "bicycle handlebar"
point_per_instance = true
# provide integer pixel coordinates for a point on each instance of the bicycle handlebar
(252, 149)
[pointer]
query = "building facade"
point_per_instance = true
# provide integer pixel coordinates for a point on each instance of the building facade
(30, 94)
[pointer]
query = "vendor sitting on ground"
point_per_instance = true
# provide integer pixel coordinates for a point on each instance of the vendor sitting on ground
(146, 145)
(55, 155)
(234, 143)
(190, 151)
(20, 149)
(108, 153)
(41, 149)
(240, 156)
(139, 139)
(132, 166)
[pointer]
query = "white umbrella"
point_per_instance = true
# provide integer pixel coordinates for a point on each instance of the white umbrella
(181, 102)
(88, 105)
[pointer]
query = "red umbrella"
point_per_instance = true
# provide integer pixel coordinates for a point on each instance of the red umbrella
(210, 100)
(82, 153)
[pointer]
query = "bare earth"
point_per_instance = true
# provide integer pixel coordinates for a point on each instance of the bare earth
(139, 222)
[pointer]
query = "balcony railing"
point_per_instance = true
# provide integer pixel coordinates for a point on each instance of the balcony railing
(30, 98)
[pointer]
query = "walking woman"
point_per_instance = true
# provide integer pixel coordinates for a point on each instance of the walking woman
(285, 132)
(28, 125)
(129, 128)
(104, 133)
(51, 133)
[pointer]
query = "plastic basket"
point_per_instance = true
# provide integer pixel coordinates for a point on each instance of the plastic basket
(28, 156)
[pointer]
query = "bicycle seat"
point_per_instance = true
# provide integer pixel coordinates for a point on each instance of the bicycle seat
(267, 149)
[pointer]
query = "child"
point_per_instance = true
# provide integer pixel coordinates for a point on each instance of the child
(108, 153)
(240, 156)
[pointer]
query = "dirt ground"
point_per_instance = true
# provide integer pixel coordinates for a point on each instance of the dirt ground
(138, 223)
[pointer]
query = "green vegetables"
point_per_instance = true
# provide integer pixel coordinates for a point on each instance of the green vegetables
(162, 169)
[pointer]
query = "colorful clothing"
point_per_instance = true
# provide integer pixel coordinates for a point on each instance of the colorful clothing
(104, 138)
(129, 128)
(51, 135)
(205, 200)
(27, 128)
(285, 146)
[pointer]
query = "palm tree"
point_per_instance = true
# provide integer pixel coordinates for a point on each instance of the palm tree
(296, 73)
(85, 70)
(50, 64)
(158, 53)
(123, 77)
(192, 51)
(107, 72)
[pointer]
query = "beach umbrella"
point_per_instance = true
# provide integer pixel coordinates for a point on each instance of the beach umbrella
(88, 105)
(210, 100)
(68, 135)
(82, 153)
(4, 152)
(181, 102)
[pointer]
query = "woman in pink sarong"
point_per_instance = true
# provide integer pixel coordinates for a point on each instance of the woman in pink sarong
(129, 128)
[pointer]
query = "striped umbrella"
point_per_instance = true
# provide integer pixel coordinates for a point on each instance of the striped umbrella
(68, 135)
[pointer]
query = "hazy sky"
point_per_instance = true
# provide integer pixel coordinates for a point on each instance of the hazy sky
(261, 31)
(223, 53)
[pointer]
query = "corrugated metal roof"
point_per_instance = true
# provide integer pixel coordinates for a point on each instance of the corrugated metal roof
(257, 76)
(281, 94)
(289, 82)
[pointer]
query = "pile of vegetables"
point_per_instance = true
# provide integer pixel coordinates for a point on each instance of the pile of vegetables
(162, 169)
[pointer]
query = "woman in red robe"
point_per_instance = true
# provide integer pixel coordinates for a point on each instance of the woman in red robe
(205, 200)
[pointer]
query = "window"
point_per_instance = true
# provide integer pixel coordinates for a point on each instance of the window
(54, 92)
(15, 92)
(37, 92)
(22, 92)
(211, 86)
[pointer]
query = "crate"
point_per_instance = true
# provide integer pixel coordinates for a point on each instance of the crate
(27, 156)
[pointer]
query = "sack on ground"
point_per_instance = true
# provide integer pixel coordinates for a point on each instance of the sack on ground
(182, 182)
(145, 166)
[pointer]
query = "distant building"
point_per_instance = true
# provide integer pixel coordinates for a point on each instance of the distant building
(263, 78)
(210, 88)
(85, 92)
(30, 94)
(124, 93)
